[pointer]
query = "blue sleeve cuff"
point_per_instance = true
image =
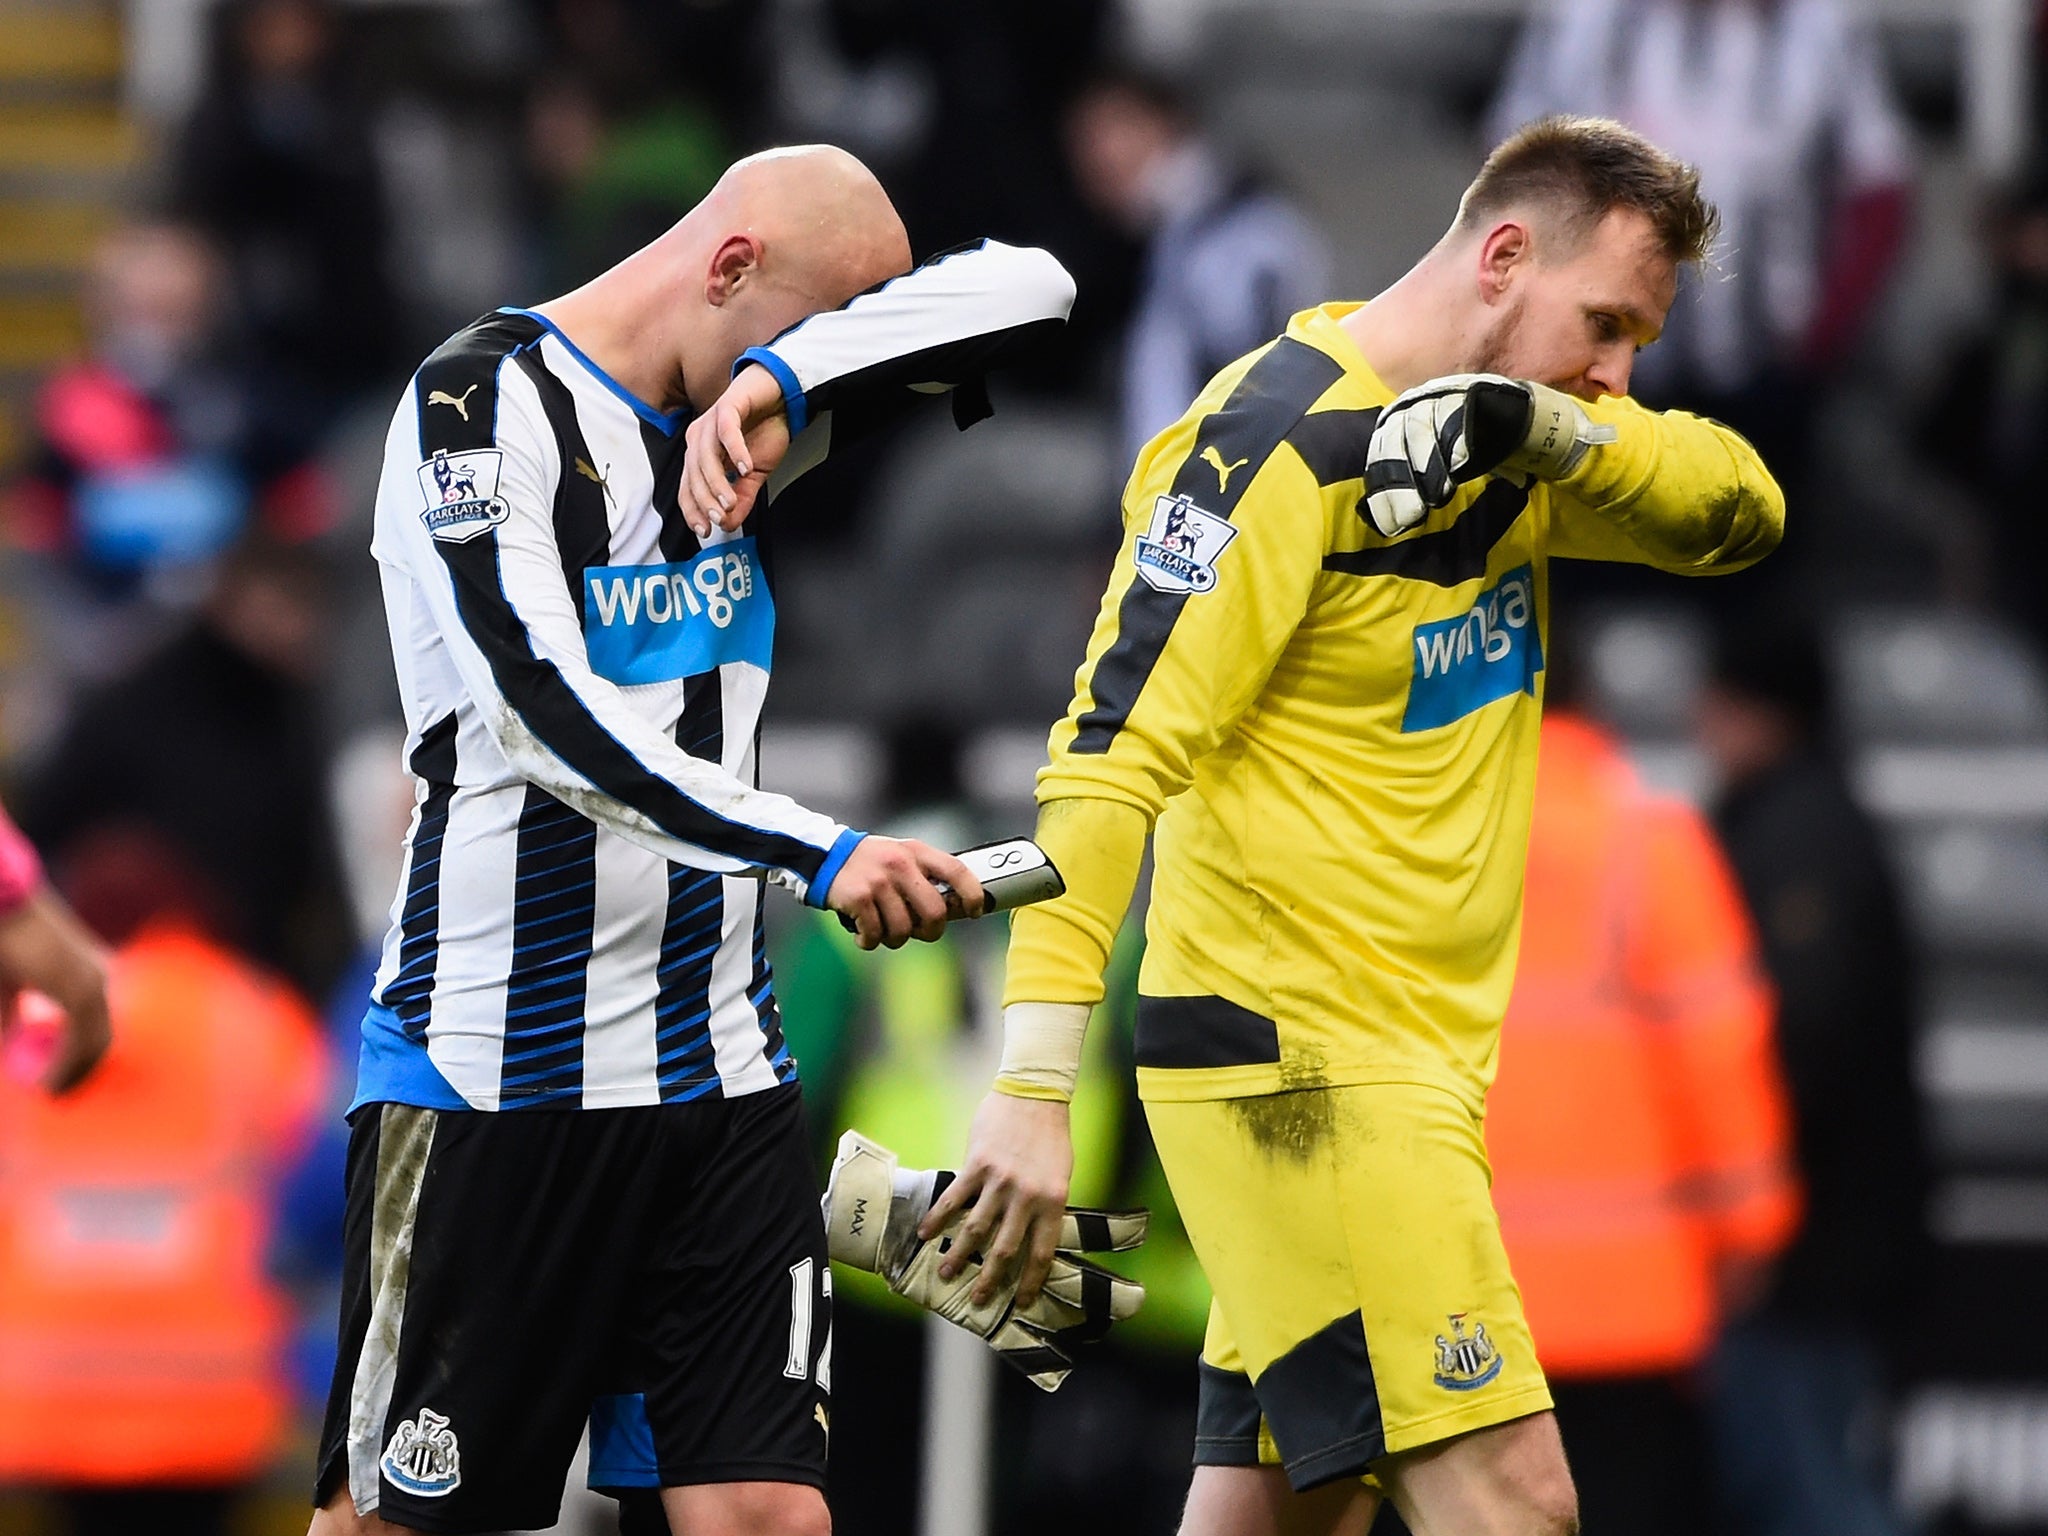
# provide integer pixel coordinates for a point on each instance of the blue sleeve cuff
(835, 860)
(793, 400)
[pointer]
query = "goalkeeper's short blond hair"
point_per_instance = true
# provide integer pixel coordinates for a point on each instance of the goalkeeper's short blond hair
(1586, 167)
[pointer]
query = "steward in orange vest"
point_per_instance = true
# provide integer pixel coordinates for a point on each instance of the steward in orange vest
(140, 1339)
(1637, 1128)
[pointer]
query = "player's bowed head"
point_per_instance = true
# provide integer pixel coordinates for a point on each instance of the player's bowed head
(784, 234)
(1562, 263)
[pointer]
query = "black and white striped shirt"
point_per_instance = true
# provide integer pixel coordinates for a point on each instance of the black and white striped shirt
(579, 921)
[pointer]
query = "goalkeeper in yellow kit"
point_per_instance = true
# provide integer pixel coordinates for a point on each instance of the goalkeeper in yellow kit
(1315, 682)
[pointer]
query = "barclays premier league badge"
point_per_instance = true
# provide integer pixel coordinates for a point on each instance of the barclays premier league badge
(461, 493)
(1179, 552)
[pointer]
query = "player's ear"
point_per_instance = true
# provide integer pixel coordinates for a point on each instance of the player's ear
(1506, 247)
(733, 265)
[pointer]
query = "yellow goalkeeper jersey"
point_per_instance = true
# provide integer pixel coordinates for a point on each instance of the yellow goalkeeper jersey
(1334, 731)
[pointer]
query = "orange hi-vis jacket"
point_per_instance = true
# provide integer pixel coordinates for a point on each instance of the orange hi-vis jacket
(1638, 1127)
(140, 1340)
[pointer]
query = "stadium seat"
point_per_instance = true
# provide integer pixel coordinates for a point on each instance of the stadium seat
(977, 582)
(1644, 667)
(1029, 477)
(1918, 675)
(1976, 888)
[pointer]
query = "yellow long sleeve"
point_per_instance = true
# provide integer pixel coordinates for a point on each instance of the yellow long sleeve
(1674, 491)
(1059, 950)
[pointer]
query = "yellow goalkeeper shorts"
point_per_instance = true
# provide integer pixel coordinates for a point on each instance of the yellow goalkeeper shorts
(1363, 1305)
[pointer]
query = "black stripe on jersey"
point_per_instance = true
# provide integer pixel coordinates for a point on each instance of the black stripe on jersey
(1202, 1032)
(693, 927)
(583, 530)
(457, 387)
(665, 459)
(561, 721)
(1449, 556)
(419, 919)
(554, 918)
(1256, 417)
(761, 993)
(1333, 443)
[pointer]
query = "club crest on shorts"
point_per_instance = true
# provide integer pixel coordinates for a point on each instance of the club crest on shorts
(1466, 1361)
(1178, 553)
(423, 1458)
(461, 493)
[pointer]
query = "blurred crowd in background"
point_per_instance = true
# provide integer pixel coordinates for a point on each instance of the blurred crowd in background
(1772, 1130)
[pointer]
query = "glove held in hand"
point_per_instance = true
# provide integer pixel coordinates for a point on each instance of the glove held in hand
(872, 1210)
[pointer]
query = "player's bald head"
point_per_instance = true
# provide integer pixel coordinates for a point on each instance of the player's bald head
(826, 228)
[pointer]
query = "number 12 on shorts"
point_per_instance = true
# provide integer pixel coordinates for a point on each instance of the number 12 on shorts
(802, 1294)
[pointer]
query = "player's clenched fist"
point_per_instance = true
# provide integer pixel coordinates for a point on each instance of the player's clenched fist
(894, 890)
(730, 451)
(1452, 430)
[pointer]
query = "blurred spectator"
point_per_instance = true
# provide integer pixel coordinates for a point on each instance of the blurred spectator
(888, 1047)
(629, 128)
(833, 1025)
(718, 55)
(306, 1247)
(1227, 257)
(141, 1370)
(1785, 108)
(53, 1023)
(988, 162)
(1638, 1129)
(211, 743)
(155, 451)
(1989, 422)
(896, 1045)
(609, 182)
(1801, 1380)
(277, 165)
(1114, 1440)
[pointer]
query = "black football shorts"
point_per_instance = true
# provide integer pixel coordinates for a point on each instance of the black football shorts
(660, 1271)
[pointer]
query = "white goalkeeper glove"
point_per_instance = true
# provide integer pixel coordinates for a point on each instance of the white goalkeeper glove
(1440, 435)
(872, 1209)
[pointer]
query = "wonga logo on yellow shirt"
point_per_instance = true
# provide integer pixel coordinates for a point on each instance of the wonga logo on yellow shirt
(1489, 652)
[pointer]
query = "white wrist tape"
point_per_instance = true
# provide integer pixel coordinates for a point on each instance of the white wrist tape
(1042, 1045)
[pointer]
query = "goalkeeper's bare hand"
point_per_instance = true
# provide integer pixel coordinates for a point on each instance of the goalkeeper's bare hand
(730, 451)
(872, 1221)
(1011, 1193)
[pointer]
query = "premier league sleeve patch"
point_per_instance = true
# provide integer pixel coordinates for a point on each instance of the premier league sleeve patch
(1178, 553)
(461, 493)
